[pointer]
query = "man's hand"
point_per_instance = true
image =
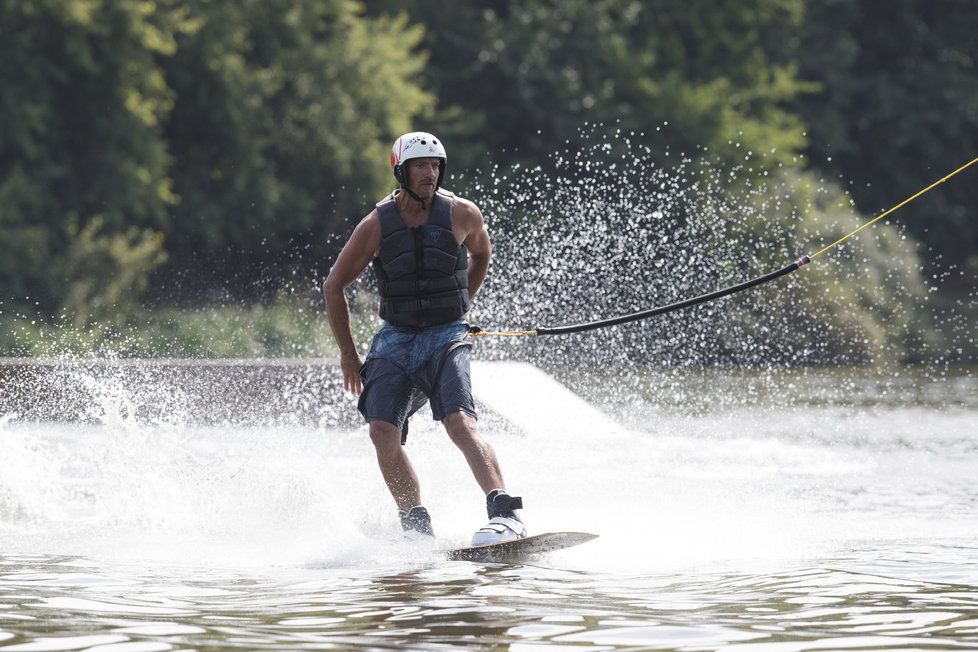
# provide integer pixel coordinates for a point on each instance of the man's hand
(351, 364)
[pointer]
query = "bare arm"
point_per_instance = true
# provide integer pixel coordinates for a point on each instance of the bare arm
(476, 240)
(351, 262)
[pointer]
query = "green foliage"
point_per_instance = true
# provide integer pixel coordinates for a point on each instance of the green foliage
(107, 272)
(192, 149)
(281, 129)
(82, 102)
(283, 328)
(856, 303)
(518, 79)
(245, 133)
(289, 325)
(897, 108)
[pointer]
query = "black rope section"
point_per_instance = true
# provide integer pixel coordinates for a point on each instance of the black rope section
(672, 307)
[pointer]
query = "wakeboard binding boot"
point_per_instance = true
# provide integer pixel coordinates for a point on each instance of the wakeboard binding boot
(504, 524)
(416, 521)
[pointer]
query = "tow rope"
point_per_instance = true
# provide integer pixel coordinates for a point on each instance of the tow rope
(733, 289)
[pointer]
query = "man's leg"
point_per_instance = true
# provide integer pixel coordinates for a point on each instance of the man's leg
(478, 453)
(395, 465)
(452, 402)
(504, 524)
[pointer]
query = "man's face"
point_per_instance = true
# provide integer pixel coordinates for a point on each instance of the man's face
(422, 175)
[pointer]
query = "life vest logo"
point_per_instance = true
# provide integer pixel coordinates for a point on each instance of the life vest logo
(433, 235)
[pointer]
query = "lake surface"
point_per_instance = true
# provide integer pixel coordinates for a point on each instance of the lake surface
(238, 506)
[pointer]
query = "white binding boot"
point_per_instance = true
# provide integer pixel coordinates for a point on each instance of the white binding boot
(504, 524)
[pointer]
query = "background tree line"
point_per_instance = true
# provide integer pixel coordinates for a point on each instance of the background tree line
(187, 152)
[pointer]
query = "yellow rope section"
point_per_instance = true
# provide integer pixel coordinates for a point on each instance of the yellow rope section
(901, 204)
(502, 333)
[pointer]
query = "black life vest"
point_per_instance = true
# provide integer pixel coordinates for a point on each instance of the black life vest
(422, 272)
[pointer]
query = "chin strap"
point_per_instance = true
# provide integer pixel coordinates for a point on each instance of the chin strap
(414, 196)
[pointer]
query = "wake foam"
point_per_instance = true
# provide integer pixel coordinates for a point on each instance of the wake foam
(752, 483)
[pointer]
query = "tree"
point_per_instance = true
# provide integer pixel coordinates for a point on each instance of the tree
(82, 102)
(227, 141)
(280, 134)
(517, 80)
(897, 108)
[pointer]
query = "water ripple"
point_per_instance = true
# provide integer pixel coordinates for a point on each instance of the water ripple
(449, 604)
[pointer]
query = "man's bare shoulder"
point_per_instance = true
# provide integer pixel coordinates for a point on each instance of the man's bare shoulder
(370, 222)
(466, 211)
(367, 231)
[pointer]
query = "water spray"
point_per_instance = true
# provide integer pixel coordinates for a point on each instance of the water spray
(733, 289)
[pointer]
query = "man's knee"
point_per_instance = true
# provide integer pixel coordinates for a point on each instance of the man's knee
(460, 426)
(385, 436)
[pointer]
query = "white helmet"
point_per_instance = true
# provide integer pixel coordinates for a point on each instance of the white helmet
(417, 144)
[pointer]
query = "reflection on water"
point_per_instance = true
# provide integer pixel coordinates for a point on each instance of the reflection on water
(50, 603)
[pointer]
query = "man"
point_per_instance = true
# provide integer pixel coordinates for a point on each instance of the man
(430, 253)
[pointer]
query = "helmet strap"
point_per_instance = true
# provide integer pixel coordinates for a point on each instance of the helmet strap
(414, 196)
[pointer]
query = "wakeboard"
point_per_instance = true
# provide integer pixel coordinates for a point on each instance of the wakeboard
(519, 549)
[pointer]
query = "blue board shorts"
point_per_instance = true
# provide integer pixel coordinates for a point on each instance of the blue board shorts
(406, 368)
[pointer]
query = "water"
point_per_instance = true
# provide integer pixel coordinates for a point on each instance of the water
(178, 507)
